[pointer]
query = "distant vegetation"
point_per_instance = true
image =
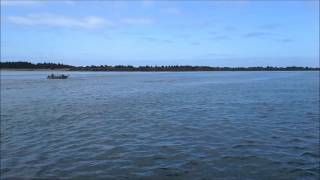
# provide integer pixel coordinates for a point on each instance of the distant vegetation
(189, 68)
(28, 65)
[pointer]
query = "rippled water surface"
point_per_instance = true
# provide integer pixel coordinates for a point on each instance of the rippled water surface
(186, 125)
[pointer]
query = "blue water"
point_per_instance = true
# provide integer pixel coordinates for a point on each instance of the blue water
(177, 125)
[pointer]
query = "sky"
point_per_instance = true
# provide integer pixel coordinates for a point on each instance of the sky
(157, 32)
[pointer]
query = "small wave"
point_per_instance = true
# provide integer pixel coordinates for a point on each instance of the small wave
(310, 154)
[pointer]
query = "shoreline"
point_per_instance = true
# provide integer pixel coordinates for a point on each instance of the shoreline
(68, 70)
(13, 69)
(28, 66)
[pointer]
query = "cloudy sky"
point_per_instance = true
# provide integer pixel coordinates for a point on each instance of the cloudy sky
(154, 32)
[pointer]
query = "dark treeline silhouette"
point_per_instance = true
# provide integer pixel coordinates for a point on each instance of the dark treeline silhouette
(28, 65)
(188, 68)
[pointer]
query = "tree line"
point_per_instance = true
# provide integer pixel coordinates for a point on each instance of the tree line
(28, 65)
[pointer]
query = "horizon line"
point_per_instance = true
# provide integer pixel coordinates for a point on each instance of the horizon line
(153, 66)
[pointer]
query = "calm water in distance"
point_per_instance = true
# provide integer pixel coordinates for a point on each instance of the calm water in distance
(177, 125)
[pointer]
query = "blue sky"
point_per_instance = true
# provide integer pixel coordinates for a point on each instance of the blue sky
(157, 32)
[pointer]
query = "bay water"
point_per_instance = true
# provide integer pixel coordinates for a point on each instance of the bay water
(160, 125)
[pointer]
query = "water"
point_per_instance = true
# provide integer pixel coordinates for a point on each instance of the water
(190, 125)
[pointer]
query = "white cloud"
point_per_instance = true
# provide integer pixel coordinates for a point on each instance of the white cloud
(137, 21)
(89, 22)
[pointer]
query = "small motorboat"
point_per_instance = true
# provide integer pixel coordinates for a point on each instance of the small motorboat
(53, 76)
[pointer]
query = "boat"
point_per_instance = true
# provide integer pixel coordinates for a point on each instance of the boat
(53, 76)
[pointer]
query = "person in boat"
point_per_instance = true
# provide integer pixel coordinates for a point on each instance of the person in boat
(52, 76)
